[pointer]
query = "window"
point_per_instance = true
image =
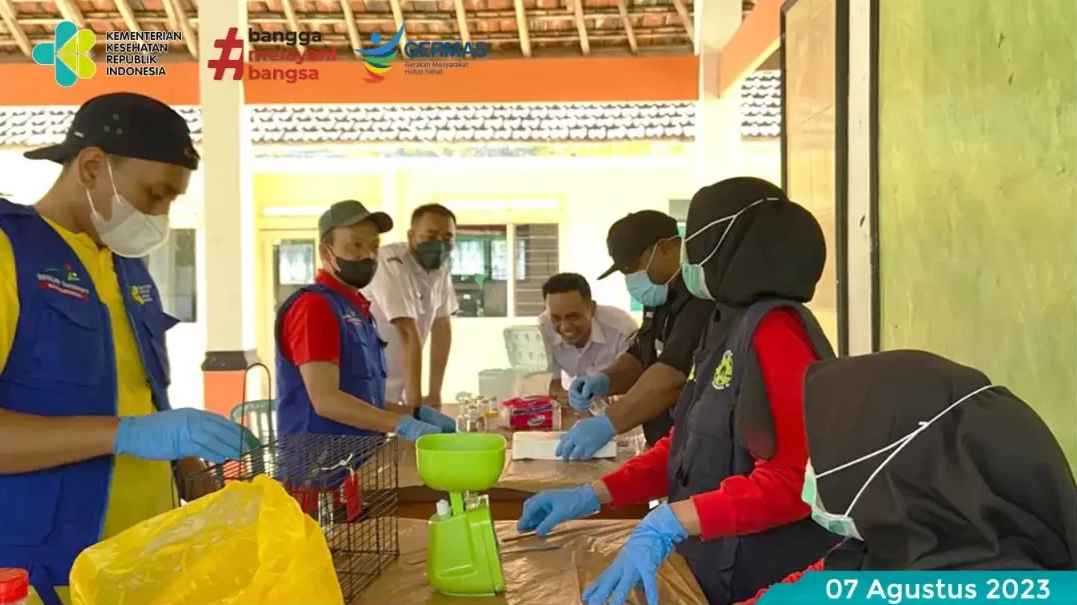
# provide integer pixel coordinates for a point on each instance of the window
(480, 266)
(174, 270)
(536, 261)
(483, 268)
(293, 268)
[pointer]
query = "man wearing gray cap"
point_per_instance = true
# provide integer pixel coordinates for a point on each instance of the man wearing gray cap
(330, 360)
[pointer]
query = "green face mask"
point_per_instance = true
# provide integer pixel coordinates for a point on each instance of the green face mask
(432, 255)
(692, 273)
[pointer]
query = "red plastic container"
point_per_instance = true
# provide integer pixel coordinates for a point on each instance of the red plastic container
(534, 413)
(14, 586)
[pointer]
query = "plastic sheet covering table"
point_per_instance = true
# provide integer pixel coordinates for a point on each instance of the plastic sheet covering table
(533, 476)
(551, 577)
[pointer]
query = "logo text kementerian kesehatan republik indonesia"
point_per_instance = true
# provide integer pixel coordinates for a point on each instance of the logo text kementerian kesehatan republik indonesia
(291, 61)
(130, 53)
(423, 58)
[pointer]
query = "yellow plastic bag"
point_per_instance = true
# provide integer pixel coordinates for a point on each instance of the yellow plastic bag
(244, 545)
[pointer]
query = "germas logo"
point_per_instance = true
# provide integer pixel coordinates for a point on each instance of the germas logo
(377, 60)
(424, 58)
(68, 53)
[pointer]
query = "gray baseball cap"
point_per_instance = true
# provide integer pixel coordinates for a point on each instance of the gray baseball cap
(351, 212)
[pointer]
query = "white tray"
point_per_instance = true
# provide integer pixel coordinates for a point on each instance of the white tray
(540, 445)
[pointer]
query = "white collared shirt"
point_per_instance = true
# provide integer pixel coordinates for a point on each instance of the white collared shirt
(402, 288)
(611, 331)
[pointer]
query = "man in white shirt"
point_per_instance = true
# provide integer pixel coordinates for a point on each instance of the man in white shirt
(412, 300)
(583, 337)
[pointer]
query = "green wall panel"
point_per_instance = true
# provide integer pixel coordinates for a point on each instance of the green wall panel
(977, 216)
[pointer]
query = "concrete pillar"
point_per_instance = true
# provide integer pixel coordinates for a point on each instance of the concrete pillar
(718, 117)
(229, 229)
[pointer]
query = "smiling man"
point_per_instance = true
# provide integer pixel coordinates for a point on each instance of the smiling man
(584, 337)
(88, 443)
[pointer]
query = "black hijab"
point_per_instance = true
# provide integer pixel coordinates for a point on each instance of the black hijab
(774, 250)
(986, 486)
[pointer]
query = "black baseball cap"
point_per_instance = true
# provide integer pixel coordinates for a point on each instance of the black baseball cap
(351, 212)
(633, 234)
(129, 125)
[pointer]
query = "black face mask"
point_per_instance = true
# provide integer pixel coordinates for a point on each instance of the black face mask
(432, 255)
(356, 273)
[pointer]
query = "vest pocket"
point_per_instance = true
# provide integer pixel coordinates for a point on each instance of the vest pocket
(29, 518)
(69, 342)
(367, 354)
(152, 341)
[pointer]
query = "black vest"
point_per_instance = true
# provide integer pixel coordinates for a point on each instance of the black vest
(705, 450)
(653, 334)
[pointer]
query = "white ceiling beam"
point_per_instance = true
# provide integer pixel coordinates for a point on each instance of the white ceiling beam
(581, 26)
(461, 21)
(398, 19)
(622, 8)
(11, 21)
(686, 20)
(353, 29)
(177, 18)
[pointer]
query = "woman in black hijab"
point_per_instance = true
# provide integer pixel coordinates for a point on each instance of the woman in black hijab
(923, 464)
(733, 467)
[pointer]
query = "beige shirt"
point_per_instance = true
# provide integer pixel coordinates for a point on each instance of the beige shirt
(611, 330)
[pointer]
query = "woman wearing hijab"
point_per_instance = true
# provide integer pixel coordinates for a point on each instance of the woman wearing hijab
(733, 467)
(923, 464)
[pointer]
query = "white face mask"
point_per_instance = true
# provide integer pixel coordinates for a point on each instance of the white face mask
(128, 232)
(843, 525)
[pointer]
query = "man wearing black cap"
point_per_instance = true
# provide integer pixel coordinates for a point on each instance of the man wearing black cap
(645, 247)
(330, 360)
(88, 441)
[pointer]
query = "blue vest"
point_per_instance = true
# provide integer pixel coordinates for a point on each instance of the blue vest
(362, 369)
(63, 363)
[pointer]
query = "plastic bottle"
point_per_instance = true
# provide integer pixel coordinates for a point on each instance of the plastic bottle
(443, 509)
(14, 586)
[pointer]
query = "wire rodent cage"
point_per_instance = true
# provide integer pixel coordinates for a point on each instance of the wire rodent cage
(346, 483)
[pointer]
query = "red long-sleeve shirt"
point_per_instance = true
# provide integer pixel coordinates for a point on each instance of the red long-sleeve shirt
(769, 496)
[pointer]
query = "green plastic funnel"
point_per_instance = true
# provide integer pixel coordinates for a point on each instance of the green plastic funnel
(460, 462)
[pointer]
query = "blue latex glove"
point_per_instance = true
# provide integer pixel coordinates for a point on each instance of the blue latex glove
(178, 434)
(548, 509)
(585, 438)
(411, 429)
(431, 416)
(583, 388)
(649, 545)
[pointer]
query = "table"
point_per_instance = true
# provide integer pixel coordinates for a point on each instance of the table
(520, 480)
(553, 577)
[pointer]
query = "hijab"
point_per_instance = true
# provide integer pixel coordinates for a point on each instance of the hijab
(985, 486)
(775, 249)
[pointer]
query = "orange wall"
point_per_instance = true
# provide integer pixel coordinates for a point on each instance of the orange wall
(571, 79)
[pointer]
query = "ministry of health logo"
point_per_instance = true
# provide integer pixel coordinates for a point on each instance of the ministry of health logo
(377, 60)
(68, 53)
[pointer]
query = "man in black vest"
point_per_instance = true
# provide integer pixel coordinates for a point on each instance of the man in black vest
(733, 466)
(646, 248)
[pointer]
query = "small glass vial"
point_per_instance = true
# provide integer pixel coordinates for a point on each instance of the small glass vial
(598, 405)
(14, 586)
(475, 419)
(492, 413)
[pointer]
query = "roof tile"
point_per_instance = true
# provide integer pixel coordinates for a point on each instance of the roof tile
(760, 110)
